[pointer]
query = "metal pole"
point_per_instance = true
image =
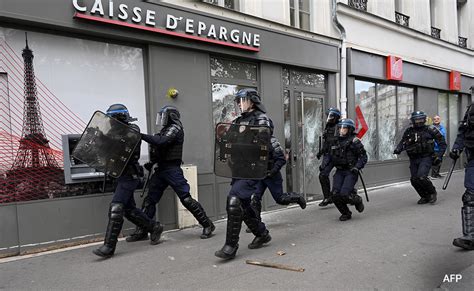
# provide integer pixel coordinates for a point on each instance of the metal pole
(303, 146)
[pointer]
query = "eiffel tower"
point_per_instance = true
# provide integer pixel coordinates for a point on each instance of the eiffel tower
(35, 170)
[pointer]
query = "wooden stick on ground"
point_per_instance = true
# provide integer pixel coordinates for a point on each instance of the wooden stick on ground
(273, 265)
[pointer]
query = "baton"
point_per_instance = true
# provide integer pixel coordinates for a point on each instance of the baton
(146, 183)
(363, 185)
(448, 177)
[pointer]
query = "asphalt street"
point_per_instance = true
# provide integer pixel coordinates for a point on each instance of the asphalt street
(393, 244)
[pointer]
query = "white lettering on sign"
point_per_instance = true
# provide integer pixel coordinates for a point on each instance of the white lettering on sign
(452, 278)
(198, 30)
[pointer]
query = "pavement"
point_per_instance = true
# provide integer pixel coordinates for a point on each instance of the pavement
(394, 244)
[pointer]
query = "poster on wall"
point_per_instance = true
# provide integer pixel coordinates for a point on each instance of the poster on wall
(50, 86)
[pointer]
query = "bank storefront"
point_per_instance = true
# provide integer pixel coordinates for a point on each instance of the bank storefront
(382, 93)
(90, 54)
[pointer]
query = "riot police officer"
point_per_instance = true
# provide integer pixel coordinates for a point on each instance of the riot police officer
(274, 181)
(329, 137)
(167, 152)
(465, 141)
(418, 140)
(123, 202)
(348, 155)
(239, 199)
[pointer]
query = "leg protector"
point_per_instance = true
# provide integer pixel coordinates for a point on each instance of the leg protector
(292, 197)
(467, 215)
(198, 212)
(256, 205)
(113, 230)
(138, 235)
(340, 202)
(234, 224)
(325, 186)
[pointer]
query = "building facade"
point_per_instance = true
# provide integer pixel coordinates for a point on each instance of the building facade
(303, 56)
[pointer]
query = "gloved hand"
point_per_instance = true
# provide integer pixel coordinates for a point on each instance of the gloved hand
(355, 171)
(148, 166)
(271, 173)
(318, 155)
(454, 154)
(437, 160)
(397, 152)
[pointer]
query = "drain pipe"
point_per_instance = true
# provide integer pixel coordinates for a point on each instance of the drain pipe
(343, 74)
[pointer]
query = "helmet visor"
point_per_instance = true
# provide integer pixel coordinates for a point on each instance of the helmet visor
(332, 117)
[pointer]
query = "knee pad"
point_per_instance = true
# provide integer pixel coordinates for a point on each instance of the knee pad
(116, 211)
(188, 201)
(468, 198)
(234, 205)
(337, 197)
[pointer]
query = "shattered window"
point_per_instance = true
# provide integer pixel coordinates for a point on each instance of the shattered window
(386, 110)
(230, 69)
(366, 103)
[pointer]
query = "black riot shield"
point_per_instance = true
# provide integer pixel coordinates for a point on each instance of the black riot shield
(241, 151)
(106, 144)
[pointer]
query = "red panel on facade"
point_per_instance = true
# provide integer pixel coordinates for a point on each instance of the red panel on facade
(394, 68)
(454, 81)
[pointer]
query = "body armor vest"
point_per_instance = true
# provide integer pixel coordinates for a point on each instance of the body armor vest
(133, 167)
(329, 137)
(469, 134)
(419, 142)
(342, 153)
(171, 152)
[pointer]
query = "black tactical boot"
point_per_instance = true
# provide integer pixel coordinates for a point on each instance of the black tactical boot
(234, 224)
(358, 203)
(155, 233)
(346, 216)
(141, 220)
(198, 212)
(325, 202)
(113, 230)
(423, 200)
(138, 235)
(432, 198)
(292, 197)
(258, 241)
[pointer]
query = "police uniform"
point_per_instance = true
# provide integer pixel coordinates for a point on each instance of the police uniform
(348, 155)
(123, 202)
(418, 140)
(239, 199)
(465, 141)
(329, 138)
(167, 152)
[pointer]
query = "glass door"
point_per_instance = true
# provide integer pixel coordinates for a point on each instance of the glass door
(304, 124)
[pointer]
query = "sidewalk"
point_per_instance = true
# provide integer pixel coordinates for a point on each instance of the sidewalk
(394, 244)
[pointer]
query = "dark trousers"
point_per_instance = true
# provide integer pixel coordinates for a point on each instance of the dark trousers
(469, 176)
(274, 184)
(123, 193)
(159, 181)
(343, 185)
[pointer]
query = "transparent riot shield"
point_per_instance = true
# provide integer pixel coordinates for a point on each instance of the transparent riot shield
(106, 144)
(241, 151)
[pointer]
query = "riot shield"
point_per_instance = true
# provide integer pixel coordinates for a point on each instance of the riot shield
(241, 151)
(106, 144)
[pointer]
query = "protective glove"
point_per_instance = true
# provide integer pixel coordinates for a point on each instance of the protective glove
(149, 166)
(437, 160)
(454, 154)
(397, 152)
(355, 171)
(271, 173)
(318, 155)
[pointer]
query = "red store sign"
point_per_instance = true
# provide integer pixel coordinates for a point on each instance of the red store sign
(454, 81)
(394, 68)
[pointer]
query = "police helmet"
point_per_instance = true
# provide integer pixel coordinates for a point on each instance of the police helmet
(334, 115)
(418, 118)
(168, 114)
(252, 95)
(347, 123)
(120, 112)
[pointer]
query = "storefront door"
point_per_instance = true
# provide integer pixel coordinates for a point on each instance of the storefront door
(304, 113)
